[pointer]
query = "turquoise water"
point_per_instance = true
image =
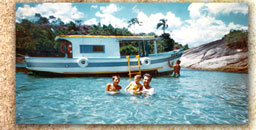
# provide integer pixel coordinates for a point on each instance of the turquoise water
(197, 97)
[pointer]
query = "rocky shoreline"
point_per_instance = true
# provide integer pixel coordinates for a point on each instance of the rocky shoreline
(216, 56)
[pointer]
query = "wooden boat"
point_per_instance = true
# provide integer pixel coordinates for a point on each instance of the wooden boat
(100, 55)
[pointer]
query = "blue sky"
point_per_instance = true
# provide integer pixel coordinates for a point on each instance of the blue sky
(189, 23)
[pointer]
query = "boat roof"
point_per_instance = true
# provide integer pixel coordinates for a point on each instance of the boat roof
(116, 37)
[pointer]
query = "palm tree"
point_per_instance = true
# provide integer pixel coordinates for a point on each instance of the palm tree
(162, 22)
(134, 21)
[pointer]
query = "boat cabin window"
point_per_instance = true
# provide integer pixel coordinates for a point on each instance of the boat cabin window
(92, 48)
(142, 48)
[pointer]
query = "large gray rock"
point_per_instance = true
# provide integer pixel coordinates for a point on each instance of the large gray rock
(216, 56)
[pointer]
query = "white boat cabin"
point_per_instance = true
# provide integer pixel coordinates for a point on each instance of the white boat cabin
(102, 46)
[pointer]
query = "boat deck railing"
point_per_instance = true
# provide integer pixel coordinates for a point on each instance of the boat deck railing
(158, 54)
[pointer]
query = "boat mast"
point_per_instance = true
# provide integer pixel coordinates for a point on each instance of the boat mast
(143, 52)
(139, 48)
(155, 47)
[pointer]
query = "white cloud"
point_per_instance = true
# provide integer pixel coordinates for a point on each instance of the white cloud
(172, 20)
(91, 22)
(200, 31)
(106, 15)
(194, 9)
(149, 22)
(203, 27)
(135, 10)
(112, 8)
(226, 8)
(199, 9)
(65, 11)
(94, 6)
(237, 26)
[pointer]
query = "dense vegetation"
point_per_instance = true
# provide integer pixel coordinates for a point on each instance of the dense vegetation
(36, 38)
(237, 39)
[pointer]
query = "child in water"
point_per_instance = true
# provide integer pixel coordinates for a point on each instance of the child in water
(133, 87)
(114, 87)
(176, 68)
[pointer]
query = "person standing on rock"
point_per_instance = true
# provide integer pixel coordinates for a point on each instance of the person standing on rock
(176, 68)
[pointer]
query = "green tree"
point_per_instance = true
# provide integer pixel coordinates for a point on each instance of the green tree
(133, 22)
(162, 22)
(237, 39)
(151, 34)
(129, 49)
(41, 20)
(186, 47)
(166, 43)
(95, 29)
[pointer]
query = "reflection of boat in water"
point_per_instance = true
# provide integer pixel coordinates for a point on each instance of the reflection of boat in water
(93, 55)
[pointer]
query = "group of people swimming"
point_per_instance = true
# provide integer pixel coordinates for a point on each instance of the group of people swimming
(134, 87)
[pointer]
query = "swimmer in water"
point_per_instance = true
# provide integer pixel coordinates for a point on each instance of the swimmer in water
(133, 87)
(145, 88)
(114, 87)
(176, 68)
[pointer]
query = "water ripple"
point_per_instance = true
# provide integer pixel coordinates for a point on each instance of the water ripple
(197, 97)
